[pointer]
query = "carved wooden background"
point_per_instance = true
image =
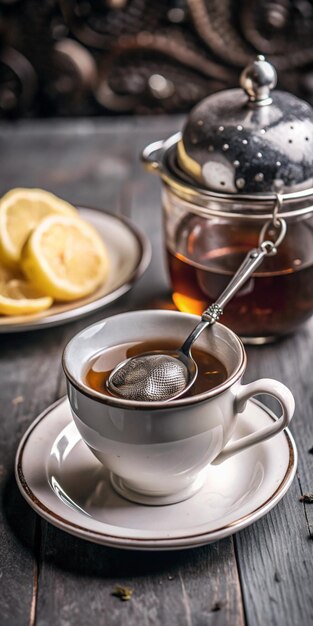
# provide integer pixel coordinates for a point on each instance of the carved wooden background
(95, 57)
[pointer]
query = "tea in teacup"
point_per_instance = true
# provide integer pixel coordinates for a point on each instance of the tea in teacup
(211, 371)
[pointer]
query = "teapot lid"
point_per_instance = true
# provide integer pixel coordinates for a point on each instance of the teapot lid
(249, 139)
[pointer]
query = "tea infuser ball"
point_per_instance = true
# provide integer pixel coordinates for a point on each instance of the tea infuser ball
(149, 377)
(251, 139)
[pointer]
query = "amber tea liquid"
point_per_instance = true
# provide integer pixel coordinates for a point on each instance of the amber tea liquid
(273, 302)
(211, 371)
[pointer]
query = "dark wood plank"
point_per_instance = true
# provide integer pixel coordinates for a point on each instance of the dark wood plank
(84, 163)
(182, 588)
(28, 384)
(276, 554)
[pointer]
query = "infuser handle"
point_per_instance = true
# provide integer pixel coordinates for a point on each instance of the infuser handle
(212, 314)
(251, 262)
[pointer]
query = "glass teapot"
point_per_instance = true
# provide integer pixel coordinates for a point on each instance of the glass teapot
(242, 165)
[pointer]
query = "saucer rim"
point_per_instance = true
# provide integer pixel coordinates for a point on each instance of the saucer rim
(158, 543)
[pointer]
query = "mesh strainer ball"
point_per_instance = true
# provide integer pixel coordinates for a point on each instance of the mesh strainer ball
(150, 378)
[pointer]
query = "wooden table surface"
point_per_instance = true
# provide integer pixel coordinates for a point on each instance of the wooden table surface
(261, 576)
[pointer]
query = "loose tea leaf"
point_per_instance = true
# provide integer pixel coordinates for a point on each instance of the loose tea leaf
(311, 450)
(123, 593)
(17, 400)
(307, 498)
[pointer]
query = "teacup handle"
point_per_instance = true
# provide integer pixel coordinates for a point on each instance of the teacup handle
(272, 388)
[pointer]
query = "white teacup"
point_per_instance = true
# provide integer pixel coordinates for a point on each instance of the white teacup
(157, 453)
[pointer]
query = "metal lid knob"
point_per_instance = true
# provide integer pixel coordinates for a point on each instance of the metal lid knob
(257, 80)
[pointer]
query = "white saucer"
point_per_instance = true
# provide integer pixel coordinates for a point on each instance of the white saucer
(61, 479)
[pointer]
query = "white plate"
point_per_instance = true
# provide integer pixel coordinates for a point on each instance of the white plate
(130, 254)
(62, 480)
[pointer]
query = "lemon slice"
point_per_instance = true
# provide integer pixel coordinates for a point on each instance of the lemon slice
(65, 258)
(18, 297)
(21, 210)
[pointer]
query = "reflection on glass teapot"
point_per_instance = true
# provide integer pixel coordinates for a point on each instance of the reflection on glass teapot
(243, 153)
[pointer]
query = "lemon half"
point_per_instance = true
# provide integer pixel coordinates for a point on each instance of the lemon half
(65, 258)
(21, 210)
